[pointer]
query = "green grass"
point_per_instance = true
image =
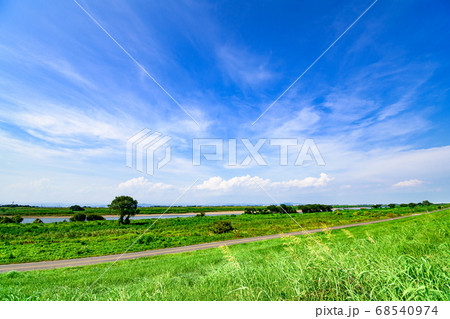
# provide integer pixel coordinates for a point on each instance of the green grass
(405, 259)
(38, 242)
(65, 211)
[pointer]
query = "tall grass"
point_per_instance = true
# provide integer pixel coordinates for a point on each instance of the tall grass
(405, 259)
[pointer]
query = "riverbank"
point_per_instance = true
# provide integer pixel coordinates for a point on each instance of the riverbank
(50, 241)
(396, 260)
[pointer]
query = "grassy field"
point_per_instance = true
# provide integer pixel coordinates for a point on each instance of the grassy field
(37, 242)
(406, 259)
(65, 211)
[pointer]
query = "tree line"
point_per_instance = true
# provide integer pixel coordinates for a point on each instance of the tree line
(283, 208)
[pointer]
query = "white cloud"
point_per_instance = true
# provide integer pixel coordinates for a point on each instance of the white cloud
(248, 182)
(142, 184)
(218, 183)
(146, 191)
(408, 183)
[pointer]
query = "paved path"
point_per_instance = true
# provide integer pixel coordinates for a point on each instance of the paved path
(156, 252)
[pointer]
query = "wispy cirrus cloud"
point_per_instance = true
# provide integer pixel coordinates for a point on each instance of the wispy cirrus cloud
(244, 68)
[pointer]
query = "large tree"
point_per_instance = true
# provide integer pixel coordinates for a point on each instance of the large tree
(125, 206)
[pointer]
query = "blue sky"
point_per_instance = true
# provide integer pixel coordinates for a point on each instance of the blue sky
(376, 104)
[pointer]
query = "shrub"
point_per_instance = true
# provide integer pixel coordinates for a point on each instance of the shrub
(201, 214)
(315, 208)
(78, 217)
(221, 227)
(274, 209)
(9, 220)
(261, 210)
(6, 220)
(249, 210)
(17, 219)
(91, 217)
(76, 208)
(38, 221)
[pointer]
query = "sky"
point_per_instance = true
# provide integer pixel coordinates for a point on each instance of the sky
(78, 79)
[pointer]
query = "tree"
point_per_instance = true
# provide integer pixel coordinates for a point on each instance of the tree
(391, 205)
(287, 209)
(426, 203)
(412, 205)
(76, 208)
(125, 206)
(376, 206)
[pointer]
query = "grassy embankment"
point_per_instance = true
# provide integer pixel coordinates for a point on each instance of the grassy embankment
(406, 259)
(65, 211)
(38, 242)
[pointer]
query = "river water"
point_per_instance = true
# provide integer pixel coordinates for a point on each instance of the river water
(61, 219)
